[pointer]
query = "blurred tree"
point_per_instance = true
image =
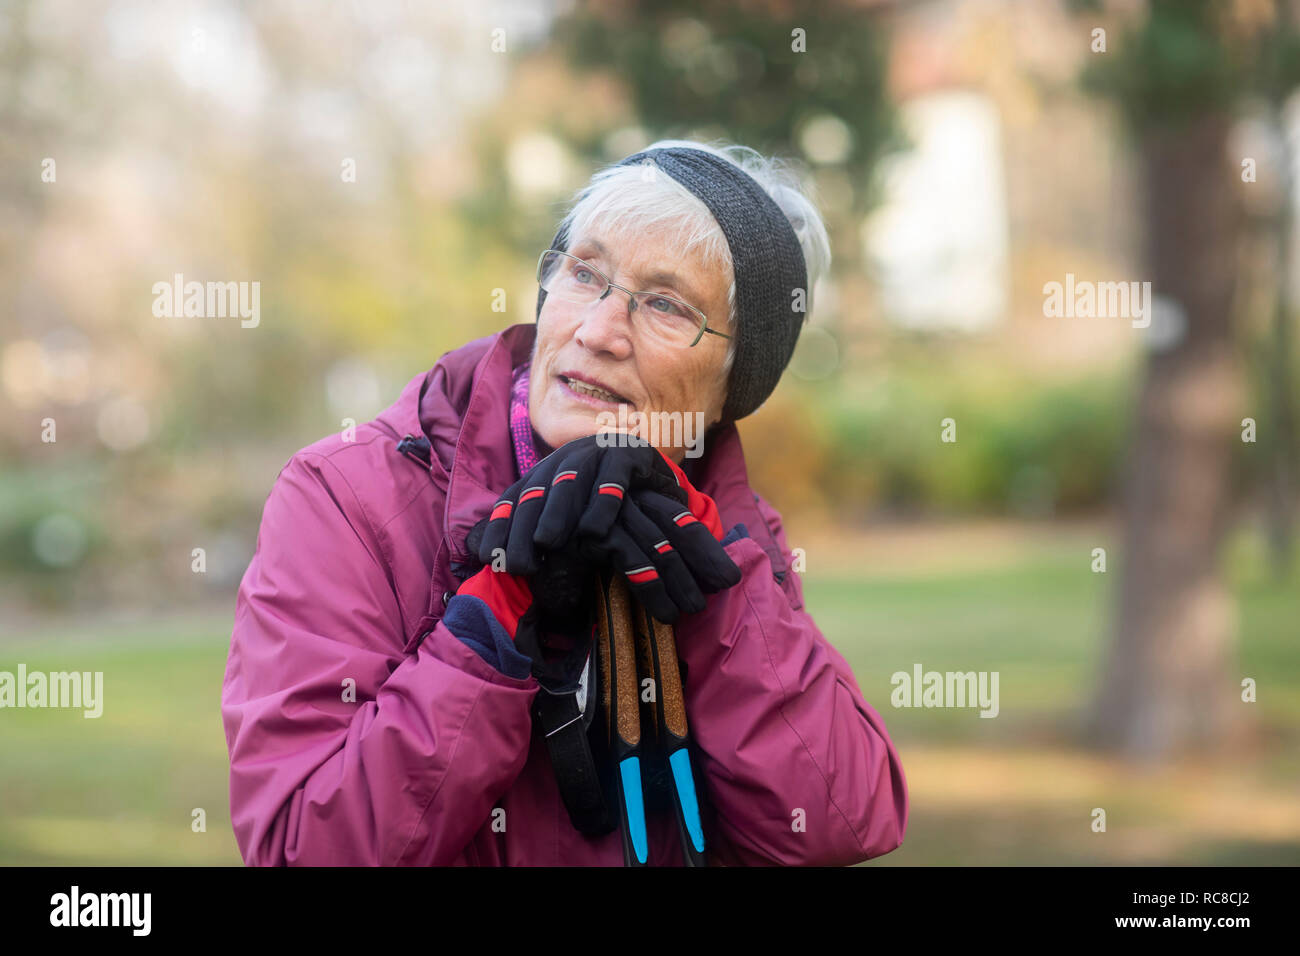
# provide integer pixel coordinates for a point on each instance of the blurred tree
(757, 72)
(1181, 71)
(1279, 76)
(794, 79)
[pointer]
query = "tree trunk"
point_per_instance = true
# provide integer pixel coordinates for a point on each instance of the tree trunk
(1281, 476)
(1169, 684)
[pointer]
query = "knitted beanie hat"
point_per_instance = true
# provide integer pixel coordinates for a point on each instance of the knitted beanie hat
(768, 264)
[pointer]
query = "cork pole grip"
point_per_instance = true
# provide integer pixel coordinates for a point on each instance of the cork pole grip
(627, 706)
(670, 685)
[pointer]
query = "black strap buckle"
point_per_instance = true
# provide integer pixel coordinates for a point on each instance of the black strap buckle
(565, 717)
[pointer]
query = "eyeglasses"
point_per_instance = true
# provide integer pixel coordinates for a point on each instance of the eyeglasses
(662, 317)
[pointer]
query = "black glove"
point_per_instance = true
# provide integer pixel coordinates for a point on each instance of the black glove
(576, 490)
(623, 506)
(670, 559)
(562, 607)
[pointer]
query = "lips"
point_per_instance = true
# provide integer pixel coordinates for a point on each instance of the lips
(587, 386)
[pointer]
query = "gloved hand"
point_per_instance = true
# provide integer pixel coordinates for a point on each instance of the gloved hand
(671, 555)
(627, 506)
(577, 489)
(557, 601)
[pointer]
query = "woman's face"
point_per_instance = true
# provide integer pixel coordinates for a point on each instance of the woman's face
(601, 343)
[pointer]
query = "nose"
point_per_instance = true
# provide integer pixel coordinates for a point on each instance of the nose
(605, 326)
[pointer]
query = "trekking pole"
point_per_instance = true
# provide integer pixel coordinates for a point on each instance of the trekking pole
(618, 692)
(657, 660)
(632, 647)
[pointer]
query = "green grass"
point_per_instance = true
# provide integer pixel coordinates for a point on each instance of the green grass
(1043, 623)
(122, 788)
(1036, 625)
(1020, 788)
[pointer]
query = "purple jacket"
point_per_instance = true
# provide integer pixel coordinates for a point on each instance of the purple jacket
(362, 731)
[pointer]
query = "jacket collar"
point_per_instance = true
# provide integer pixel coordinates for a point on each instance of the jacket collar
(483, 464)
(461, 409)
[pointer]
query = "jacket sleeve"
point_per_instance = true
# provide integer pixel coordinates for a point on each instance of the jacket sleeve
(798, 767)
(344, 748)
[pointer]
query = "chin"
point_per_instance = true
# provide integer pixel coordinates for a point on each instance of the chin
(561, 429)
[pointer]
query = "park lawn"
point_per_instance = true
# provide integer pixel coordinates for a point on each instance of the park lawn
(1022, 788)
(1019, 788)
(121, 788)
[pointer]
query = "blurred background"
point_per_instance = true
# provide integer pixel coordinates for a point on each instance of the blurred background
(1107, 532)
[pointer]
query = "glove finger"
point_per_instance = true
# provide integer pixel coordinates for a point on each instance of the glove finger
(497, 532)
(653, 473)
(642, 576)
(603, 504)
(566, 498)
(504, 533)
(617, 472)
(663, 484)
(676, 576)
(521, 553)
(704, 555)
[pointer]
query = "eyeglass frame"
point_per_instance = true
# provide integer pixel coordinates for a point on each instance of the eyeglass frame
(609, 285)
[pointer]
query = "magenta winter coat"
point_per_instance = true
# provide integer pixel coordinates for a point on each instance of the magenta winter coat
(349, 581)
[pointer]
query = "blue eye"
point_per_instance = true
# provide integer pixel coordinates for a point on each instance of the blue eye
(668, 308)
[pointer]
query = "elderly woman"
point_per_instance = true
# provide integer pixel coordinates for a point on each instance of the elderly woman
(379, 696)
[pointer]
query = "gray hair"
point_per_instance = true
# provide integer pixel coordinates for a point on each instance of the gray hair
(625, 201)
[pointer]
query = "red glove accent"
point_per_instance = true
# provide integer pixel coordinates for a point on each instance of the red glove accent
(507, 595)
(701, 505)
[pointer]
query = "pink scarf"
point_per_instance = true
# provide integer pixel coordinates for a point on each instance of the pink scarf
(529, 447)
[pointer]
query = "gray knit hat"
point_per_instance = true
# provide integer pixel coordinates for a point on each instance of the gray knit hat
(768, 264)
